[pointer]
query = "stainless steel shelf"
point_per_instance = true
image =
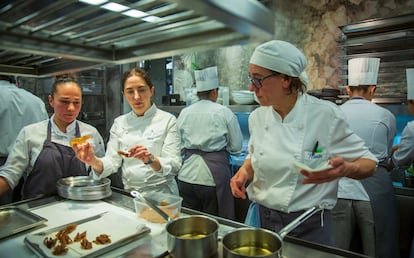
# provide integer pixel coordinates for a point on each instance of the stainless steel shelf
(391, 40)
(51, 37)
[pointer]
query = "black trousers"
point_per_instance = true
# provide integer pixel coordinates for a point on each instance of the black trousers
(199, 197)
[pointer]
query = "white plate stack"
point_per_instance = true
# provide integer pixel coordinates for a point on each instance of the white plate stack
(243, 97)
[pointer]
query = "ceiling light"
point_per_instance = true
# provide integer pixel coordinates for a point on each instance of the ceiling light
(115, 7)
(135, 13)
(152, 19)
(94, 2)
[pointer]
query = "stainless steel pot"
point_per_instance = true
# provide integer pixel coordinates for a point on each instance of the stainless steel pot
(259, 242)
(83, 188)
(192, 236)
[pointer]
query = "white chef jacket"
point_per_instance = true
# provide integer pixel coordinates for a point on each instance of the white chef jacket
(29, 144)
(274, 145)
(377, 127)
(404, 155)
(157, 131)
(18, 108)
(206, 126)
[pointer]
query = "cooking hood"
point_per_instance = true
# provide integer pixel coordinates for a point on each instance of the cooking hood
(40, 38)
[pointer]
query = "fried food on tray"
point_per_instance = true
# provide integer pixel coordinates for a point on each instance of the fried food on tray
(85, 244)
(70, 228)
(62, 240)
(49, 242)
(63, 235)
(60, 249)
(79, 140)
(80, 236)
(102, 239)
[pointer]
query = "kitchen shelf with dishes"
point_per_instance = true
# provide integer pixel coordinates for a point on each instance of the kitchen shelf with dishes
(391, 40)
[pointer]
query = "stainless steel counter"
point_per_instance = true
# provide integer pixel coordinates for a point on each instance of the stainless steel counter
(293, 247)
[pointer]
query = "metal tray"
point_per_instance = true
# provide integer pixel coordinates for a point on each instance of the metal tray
(14, 220)
(105, 222)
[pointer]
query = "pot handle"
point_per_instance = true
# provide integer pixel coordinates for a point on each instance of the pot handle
(299, 220)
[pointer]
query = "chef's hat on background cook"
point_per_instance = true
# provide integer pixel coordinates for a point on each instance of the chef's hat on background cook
(206, 79)
(279, 56)
(363, 71)
(410, 83)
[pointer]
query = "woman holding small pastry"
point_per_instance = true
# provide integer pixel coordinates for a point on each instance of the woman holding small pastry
(43, 149)
(144, 142)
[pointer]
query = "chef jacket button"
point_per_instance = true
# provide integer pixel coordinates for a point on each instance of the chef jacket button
(300, 127)
(261, 153)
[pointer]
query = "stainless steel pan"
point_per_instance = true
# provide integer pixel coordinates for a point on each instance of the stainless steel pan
(259, 242)
(190, 236)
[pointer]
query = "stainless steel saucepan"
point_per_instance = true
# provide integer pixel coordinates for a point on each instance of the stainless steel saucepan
(189, 236)
(259, 242)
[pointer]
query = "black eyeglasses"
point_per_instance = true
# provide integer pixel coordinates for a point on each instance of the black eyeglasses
(257, 82)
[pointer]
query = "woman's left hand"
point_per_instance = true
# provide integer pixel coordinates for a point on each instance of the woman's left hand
(358, 169)
(338, 170)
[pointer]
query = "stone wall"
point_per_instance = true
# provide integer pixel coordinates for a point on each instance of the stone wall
(312, 25)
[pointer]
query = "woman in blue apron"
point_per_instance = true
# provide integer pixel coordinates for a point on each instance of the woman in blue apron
(41, 154)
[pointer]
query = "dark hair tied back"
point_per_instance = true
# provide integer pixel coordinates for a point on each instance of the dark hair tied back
(63, 78)
(140, 72)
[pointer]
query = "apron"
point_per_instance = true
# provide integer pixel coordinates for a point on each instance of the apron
(384, 208)
(218, 163)
(55, 161)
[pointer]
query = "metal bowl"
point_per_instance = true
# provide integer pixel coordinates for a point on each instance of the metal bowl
(84, 188)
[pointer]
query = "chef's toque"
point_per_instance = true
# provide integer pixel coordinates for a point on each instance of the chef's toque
(206, 79)
(279, 56)
(363, 71)
(410, 83)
